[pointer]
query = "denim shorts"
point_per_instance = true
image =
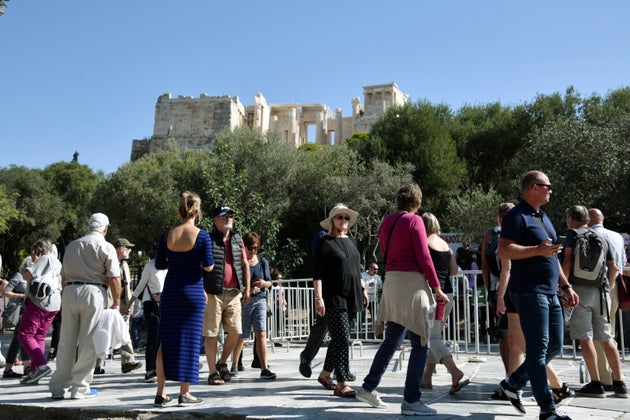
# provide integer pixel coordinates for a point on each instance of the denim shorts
(254, 316)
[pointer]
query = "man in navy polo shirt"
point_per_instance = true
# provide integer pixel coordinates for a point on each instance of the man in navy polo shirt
(527, 238)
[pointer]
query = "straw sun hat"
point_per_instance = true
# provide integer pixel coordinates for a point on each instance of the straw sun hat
(339, 208)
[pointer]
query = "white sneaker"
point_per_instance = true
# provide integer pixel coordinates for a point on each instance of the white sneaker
(80, 395)
(370, 397)
(417, 408)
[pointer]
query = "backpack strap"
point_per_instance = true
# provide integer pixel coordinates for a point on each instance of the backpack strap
(603, 301)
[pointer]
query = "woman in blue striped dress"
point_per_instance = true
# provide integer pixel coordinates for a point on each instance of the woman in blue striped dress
(185, 251)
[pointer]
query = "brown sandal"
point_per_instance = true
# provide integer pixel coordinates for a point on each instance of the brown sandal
(350, 393)
(327, 383)
(224, 372)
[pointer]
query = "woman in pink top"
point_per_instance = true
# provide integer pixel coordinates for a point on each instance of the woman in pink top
(407, 301)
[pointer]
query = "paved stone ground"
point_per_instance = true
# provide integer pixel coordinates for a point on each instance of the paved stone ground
(126, 396)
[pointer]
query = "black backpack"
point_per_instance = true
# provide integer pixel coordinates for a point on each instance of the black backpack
(588, 264)
(492, 252)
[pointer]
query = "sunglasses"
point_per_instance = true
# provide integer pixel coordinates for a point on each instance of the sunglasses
(342, 218)
(252, 248)
(548, 186)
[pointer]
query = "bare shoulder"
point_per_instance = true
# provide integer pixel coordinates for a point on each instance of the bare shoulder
(438, 243)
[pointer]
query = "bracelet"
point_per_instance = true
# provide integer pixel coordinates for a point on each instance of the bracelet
(566, 287)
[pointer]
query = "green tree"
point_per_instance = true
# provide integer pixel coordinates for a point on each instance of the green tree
(141, 198)
(613, 109)
(8, 210)
(40, 212)
(487, 136)
(472, 213)
(419, 134)
(75, 184)
(585, 163)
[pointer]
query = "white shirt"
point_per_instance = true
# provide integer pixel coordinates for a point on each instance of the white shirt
(152, 277)
(616, 240)
(373, 284)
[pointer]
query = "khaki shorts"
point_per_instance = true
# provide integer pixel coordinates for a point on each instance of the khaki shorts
(587, 320)
(223, 309)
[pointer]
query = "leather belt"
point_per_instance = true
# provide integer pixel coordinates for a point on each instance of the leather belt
(85, 283)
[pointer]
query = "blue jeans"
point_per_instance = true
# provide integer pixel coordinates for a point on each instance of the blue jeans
(394, 335)
(542, 323)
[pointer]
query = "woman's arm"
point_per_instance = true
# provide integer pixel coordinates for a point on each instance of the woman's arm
(320, 308)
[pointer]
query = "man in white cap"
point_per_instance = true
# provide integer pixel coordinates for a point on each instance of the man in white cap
(90, 267)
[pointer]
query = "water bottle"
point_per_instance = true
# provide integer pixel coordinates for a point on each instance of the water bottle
(439, 310)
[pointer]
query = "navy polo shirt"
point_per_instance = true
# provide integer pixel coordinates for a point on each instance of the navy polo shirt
(538, 274)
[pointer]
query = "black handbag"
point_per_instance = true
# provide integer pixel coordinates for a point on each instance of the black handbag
(12, 313)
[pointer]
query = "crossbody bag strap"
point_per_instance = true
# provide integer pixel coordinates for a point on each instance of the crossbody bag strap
(539, 220)
(389, 236)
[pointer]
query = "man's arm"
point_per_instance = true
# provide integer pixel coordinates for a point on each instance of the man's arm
(569, 295)
(114, 285)
(566, 262)
(613, 270)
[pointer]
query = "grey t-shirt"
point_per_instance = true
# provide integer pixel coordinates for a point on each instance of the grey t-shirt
(17, 284)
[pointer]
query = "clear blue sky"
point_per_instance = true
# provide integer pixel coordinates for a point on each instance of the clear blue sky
(85, 76)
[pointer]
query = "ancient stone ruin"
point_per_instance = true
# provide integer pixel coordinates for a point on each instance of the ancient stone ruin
(194, 122)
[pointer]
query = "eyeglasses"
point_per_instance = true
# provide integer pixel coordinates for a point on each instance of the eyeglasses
(342, 217)
(548, 186)
(252, 248)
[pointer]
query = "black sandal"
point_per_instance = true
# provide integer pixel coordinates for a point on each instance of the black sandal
(215, 379)
(224, 372)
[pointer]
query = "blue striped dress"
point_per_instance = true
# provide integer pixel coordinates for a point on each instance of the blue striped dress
(182, 306)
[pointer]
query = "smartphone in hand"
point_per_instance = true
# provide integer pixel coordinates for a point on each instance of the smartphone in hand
(560, 240)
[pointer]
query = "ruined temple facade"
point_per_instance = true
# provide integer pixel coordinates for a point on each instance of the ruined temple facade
(194, 122)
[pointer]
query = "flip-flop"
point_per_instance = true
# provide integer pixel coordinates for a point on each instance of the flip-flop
(459, 386)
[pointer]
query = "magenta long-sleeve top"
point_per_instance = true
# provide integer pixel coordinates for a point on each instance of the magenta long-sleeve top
(409, 248)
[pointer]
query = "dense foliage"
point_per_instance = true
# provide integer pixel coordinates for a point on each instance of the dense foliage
(466, 162)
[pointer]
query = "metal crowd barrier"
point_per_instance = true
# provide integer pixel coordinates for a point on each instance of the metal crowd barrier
(467, 328)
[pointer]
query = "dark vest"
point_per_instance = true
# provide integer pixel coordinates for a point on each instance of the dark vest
(213, 283)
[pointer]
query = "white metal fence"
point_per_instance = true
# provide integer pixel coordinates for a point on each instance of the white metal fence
(467, 329)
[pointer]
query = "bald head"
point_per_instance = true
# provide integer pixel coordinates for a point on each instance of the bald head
(596, 217)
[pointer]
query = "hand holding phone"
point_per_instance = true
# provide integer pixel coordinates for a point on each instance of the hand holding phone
(559, 240)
